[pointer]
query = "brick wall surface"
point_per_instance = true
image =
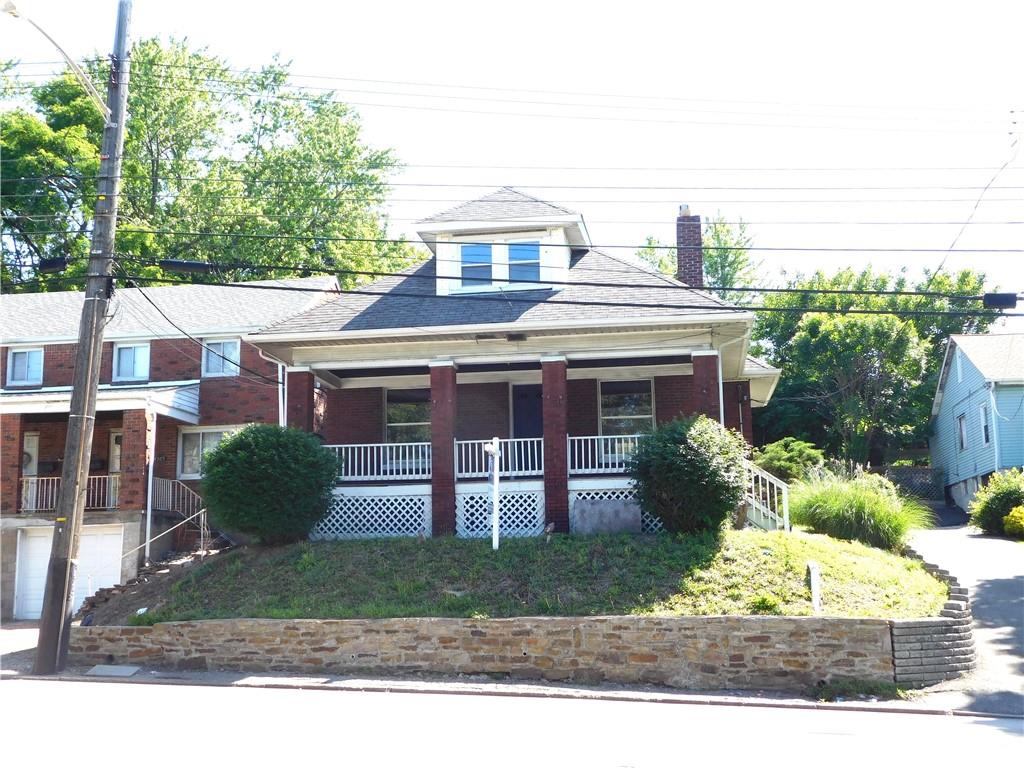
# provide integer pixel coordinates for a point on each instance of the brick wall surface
(554, 391)
(137, 426)
(738, 413)
(689, 252)
(673, 397)
(443, 407)
(483, 411)
(11, 431)
(689, 652)
(245, 398)
(354, 416)
(300, 405)
(582, 410)
(705, 385)
(165, 453)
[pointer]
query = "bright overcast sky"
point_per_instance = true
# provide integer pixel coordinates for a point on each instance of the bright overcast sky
(666, 88)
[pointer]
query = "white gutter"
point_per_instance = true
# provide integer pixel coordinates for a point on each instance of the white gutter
(995, 424)
(151, 451)
(282, 398)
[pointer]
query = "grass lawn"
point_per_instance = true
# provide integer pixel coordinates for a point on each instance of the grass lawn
(747, 572)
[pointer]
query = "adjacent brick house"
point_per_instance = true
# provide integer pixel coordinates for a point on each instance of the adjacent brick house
(163, 399)
(516, 328)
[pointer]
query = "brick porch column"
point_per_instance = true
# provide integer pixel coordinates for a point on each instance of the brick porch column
(443, 407)
(705, 384)
(12, 430)
(301, 404)
(138, 435)
(556, 468)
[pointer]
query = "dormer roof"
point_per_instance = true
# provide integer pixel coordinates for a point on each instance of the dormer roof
(504, 204)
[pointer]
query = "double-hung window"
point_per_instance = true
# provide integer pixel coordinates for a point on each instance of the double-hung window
(524, 262)
(986, 434)
(194, 444)
(961, 431)
(131, 362)
(408, 416)
(627, 407)
(221, 357)
(476, 265)
(25, 367)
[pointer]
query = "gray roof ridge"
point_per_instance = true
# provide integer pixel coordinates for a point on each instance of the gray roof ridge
(539, 200)
(505, 188)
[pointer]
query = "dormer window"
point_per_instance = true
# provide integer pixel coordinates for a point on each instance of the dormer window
(476, 265)
(524, 262)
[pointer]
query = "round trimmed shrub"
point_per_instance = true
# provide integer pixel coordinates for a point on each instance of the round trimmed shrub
(867, 508)
(789, 459)
(1013, 523)
(993, 502)
(269, 482)
(689, 474)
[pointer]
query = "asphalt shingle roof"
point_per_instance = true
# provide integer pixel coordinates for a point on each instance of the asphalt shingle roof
(506, 203)
(999, 356)
(410, 301)
(196, 308)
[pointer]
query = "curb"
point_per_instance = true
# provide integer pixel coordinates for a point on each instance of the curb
(539, 693)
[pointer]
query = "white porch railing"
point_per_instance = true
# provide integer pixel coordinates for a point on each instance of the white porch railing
(520, 457)
(39, 494)
(175, 496)
(382, 461)
(601, 454)
(767, 499)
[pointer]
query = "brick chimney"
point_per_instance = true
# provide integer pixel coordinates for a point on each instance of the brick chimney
(689, 249)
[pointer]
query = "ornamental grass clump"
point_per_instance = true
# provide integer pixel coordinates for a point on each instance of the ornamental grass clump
(269, 482)
(868, 509)
(1002, 492)
(689, 474)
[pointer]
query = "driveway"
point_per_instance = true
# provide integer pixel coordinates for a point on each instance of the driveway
(993, 570)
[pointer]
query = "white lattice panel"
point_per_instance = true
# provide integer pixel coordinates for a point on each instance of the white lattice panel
(375, 514)
(521, 513)
(648, 522)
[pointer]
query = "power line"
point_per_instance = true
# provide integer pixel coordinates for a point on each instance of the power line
(506, 299)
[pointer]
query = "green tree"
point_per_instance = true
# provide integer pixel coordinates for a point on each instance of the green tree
(280, 178)
(657, 256)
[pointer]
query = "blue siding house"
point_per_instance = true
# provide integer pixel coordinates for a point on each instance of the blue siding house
(978, 412)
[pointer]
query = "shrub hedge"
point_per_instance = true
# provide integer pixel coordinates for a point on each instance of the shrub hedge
(1013, 523)
(789, 459)
(689, 473)
(1003, 491)
(268, 482)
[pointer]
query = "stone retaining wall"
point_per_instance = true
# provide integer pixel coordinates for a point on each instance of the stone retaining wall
(686, 652)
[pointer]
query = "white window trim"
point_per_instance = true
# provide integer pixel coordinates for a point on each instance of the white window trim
(500, 262)
(986, 425)
(961, 432)
(126, 345)
(182, 431)
(384, 415)
(238, 366)
(11, 381)
(600, 407)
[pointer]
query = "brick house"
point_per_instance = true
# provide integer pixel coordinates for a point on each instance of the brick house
(516, 328)
(162, 400)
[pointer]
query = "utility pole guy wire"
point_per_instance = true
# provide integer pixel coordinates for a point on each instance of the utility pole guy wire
(58, 606)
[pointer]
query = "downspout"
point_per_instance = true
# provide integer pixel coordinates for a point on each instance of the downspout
(993, 416)
(282, 388)
(721, 388)
(151, 453)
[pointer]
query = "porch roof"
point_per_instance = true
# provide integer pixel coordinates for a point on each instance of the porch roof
(179, 401)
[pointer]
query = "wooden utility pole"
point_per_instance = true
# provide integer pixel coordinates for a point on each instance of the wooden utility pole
(55, 623)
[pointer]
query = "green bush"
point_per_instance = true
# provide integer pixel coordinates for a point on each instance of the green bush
(268, 482)
(789, 459)
(689, 474)
(1013, 523)
(866, 508)
(1003, 492)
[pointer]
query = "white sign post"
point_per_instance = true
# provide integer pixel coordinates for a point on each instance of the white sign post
(493, 450)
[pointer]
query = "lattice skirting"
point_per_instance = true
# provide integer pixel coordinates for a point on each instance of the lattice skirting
(648, 523)
(521, 513)
(375, 514)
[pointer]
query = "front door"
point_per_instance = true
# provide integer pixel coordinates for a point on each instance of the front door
(527, 411)
(29, 470)
(114, 471)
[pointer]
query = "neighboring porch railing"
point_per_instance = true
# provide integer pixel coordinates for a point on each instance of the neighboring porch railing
(601, 454)
(767, 499)
(382, 461)
(520, 457)
(175, 496)
(39, 494)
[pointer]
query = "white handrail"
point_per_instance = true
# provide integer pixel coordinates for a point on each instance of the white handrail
(767, 499)
(175, 496)
(601, 454)
(39, 494)
(520, 457)
(382, 461)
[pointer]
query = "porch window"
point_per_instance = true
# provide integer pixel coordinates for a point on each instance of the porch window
(221, 358)
(194, 444)
(131, 362)
(524, 262)
(627, 407)
(476, 265)
(408, 416)
(961, 431)
(24, 367)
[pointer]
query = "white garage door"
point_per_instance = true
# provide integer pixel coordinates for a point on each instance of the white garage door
(99, 565)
